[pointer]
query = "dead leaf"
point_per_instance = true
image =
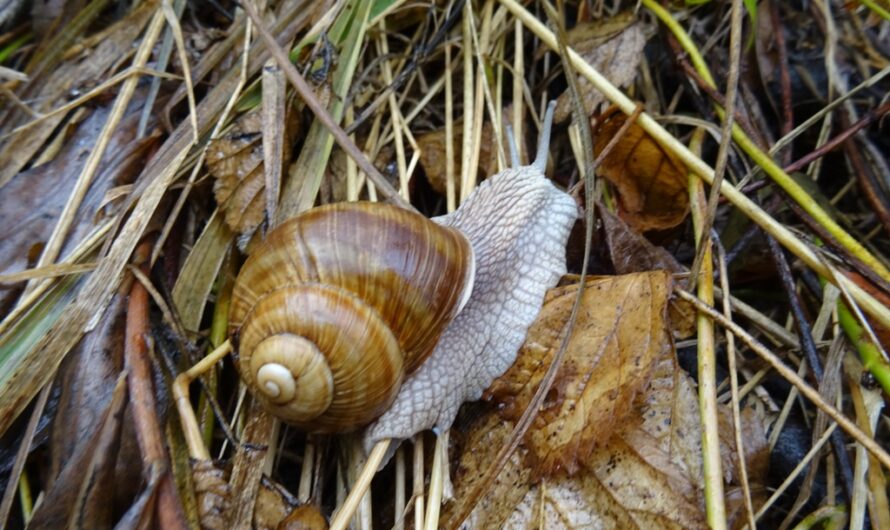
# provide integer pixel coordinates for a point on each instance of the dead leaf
(651, 182)
(432, 156)
(236, 161)
(614, 47)
(275, 507)
(305, 517)
(79, 498)
(485, 437)
(211, 493)
(619, 335)
(30, 203)
(631, 252)
(646, 476)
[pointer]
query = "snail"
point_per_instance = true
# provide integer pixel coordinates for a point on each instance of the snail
(356, 313)
(339, 303)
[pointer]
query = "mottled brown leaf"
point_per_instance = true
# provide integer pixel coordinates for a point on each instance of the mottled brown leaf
(614, 47)
(619, 334)
(236, 161)
(305, 517)
(651, 182)
(632, 252)
(274, 506)
(211, 493)
(432, 156)
(646, 476)
(486, 436)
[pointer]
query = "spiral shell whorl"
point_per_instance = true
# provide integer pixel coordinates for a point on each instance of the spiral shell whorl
(287, 364)
(334, 390)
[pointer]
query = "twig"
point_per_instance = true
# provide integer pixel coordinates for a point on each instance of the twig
(362, 483)
(830, 145)
(735, 50)
(784, 77)
(712, 466)
(734, 383)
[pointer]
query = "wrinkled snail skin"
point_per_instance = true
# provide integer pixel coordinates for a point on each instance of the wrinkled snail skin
(338, 304)
(518, 223)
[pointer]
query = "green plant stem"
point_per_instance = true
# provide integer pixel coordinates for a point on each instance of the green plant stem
(769, 166)
(869, 352)
(875, 8)
(707, 364)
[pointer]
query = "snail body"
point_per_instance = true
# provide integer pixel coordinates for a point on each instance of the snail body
(341, 302)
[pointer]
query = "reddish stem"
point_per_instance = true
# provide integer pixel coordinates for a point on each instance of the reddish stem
(170, 514)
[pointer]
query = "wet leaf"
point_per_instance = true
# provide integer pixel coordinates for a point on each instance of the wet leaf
(86, 381)
(646, 476)
(619, 334)
(614, 47)
(433, 160)
(651, 182)
(79, 497)
(632, 252)
(485, 437)
(236, 160)
(30, 203)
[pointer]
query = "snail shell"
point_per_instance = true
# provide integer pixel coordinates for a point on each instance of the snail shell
(338, 304)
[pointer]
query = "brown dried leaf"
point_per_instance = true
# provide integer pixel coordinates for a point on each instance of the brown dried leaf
(651, 182)
(211, 493)
(80, 496)
(614, 47)
(275, 506)
(432, 156)
(619, 335)
(647, 476)
(632, 252)
(236, 161)
(305, 517)
(486, 436)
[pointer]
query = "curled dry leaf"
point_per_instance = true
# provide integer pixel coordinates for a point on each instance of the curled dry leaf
(236, 161)
(614, 47)
(275, 507)
(651, 182)
(619, 334)
(211, 493)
